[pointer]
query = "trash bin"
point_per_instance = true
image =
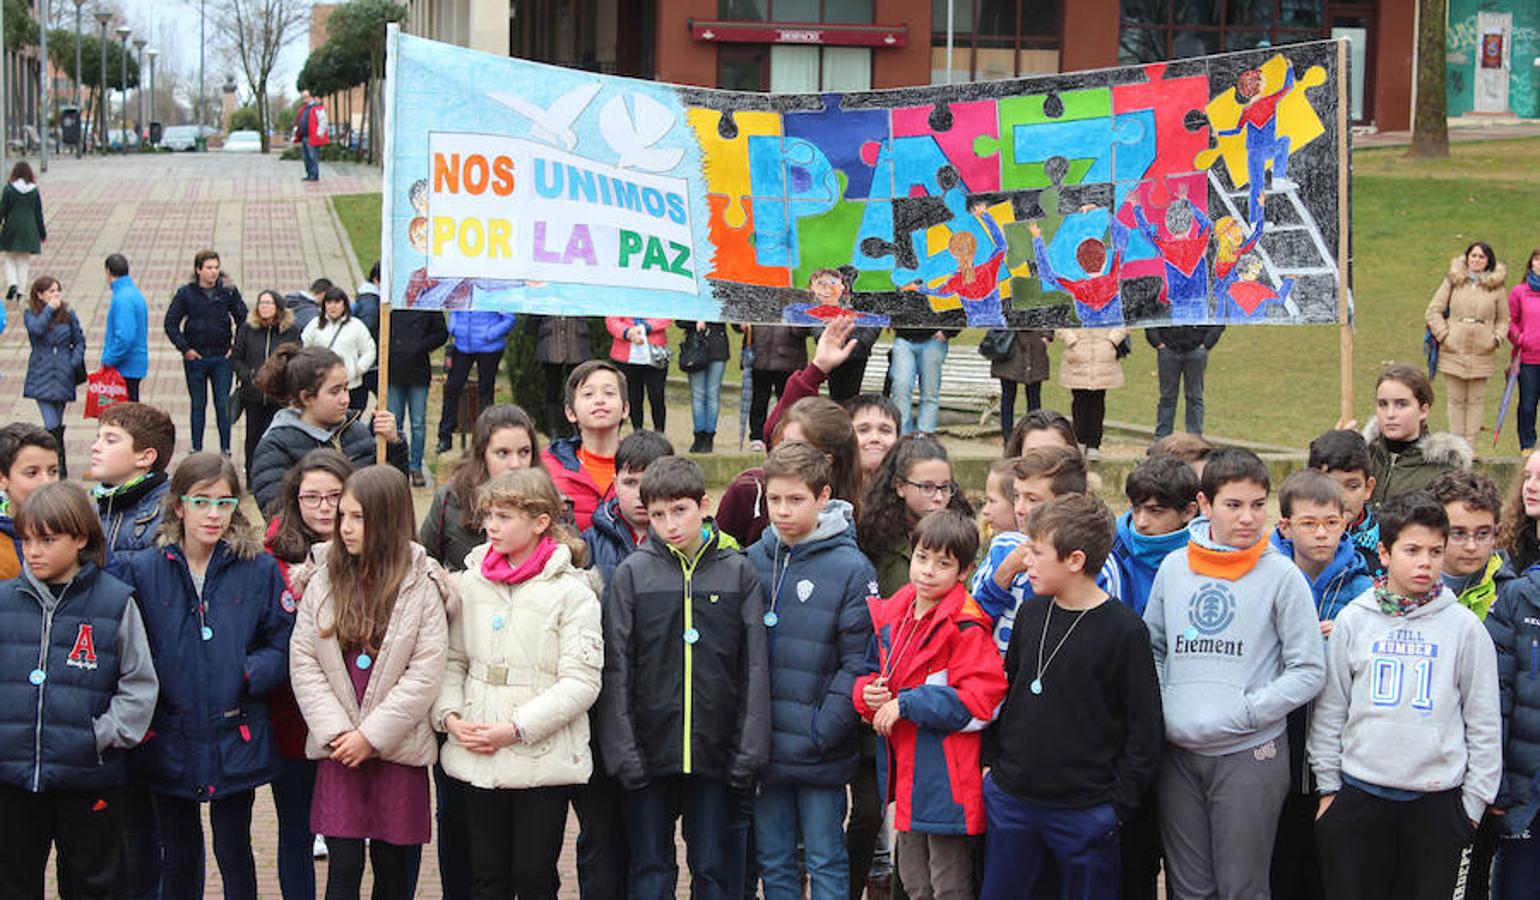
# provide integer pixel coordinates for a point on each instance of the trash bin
(69, 125)
(201, 143)
(155, 133)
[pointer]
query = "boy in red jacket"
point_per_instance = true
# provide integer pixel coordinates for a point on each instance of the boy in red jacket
(939, 683)
(583, 467)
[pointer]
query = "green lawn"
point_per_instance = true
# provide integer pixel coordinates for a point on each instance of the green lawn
(1279, 385)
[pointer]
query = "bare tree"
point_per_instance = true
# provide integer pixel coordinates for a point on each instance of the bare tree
(1430, 119)
(255, 32)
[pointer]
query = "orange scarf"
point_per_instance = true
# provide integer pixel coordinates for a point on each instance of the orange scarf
(1230, 565)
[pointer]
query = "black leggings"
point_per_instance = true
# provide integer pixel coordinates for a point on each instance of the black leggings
(181, 833)
(1008, 403)
(459, 372)
(395, 869)
(652, 379)
(516, 841)
(1087, 410)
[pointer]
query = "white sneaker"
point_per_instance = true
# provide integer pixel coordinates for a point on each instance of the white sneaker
(756, 446)
(1092, 454)
(318, 851)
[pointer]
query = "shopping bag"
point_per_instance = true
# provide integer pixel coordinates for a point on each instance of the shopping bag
(105, 387)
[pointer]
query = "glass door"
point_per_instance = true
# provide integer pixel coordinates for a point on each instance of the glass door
(1357, 26)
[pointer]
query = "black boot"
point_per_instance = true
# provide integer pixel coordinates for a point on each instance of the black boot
(58, 435)
(707, 439)
(695, 444)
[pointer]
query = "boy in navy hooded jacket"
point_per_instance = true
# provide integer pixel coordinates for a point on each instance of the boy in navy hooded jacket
(817, 585)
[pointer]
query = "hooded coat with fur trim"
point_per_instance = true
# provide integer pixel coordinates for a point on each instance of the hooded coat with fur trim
(1416, 467)
(211, 735)
(1468, 316)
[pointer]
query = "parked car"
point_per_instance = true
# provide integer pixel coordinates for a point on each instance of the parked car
(243, 142)
(118, 137)
(179, 138)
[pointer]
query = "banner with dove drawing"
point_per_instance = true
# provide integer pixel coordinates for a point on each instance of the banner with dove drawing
(1194, 191)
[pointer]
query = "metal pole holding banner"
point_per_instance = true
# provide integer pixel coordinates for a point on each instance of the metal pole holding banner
(47, 90)
(387, 223)
(1344, 200)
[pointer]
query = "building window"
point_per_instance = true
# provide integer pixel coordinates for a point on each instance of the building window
(1153, 30)
(833, 12)
(793, 69)
(994, 39)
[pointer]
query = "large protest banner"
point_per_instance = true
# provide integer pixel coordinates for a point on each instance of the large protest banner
(1201, 190)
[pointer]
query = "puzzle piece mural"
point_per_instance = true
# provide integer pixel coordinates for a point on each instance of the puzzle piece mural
(1197, 190)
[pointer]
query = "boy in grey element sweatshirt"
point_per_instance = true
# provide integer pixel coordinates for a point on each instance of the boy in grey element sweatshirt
(1406, 744)
(1237, 647)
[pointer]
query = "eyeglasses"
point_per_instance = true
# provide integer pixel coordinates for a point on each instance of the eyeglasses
(1330, 523)
(222, 505)
(316, 501)
(926, 488)
(1479, 536)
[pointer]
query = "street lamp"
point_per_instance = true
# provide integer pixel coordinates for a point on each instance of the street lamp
(123, 32)
(152, 53)
(103, 18)
(139, 84)
(81, 142)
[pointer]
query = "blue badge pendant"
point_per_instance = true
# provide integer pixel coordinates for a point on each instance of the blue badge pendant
(363, 661)
(498, 622)
(206, 633)
(38, 676)
(1191, 633)
(691, 635)
(1036, 686)
(771, 619)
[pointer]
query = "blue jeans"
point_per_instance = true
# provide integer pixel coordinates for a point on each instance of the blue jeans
(411, 400)
(1022, 837)
(906, 361)
(52, 413)
(1518, 865)
(312, 158)
(1529, 396)
(706, 395)
(785, 814)
(181, 828)
(202, 374)
(715, 838)
(1180, 369)
(292, 791)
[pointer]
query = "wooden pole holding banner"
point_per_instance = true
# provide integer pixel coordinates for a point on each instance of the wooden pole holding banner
(387, 222)
(1344, 307)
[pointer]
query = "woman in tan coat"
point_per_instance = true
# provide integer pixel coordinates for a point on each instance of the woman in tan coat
(1090, 367)
(365, 662)
(525, 657)
(1469, 318)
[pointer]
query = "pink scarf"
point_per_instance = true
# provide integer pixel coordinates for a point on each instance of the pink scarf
(496, 567)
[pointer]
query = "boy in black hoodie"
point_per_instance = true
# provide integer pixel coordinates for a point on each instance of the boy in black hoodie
(684, 717)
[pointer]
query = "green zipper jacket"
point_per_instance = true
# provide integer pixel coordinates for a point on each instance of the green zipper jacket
(686, 671)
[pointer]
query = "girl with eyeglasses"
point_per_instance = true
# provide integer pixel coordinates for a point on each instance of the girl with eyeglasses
(218, 616)
(304, 515)
(914, 479)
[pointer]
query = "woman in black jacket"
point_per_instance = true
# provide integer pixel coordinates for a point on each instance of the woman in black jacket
(414, 335)
(269, 325)
(200, 322)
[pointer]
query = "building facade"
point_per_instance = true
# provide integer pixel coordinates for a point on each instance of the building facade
(1494, 57)
(835, 45)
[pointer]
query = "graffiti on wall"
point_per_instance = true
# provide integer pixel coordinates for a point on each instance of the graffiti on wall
(1200, 190)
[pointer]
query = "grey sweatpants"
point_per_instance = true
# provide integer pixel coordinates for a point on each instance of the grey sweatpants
(1218, 817)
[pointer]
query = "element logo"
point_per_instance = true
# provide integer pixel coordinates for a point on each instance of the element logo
(1212, 609)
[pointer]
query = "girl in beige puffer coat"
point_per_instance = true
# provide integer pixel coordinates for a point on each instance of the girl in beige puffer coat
(1468, 316)
(365, 663)
(1090, 367)
(525, 657)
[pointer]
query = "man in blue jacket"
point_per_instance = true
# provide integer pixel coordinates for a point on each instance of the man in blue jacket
(127, 343)
(479, 338)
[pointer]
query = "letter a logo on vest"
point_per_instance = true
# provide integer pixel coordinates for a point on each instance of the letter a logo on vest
(83, 655)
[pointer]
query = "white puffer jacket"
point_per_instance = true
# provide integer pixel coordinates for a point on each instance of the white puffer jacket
(531, 654)
(351, 341)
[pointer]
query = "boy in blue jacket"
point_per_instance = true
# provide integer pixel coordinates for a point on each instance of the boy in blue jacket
(126, 345)
(93, 689)
(134, 443)
(817, 585)
(29, 459)
(1162, 498)
(1344, 455)
(1312, 532)
(620, 523)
